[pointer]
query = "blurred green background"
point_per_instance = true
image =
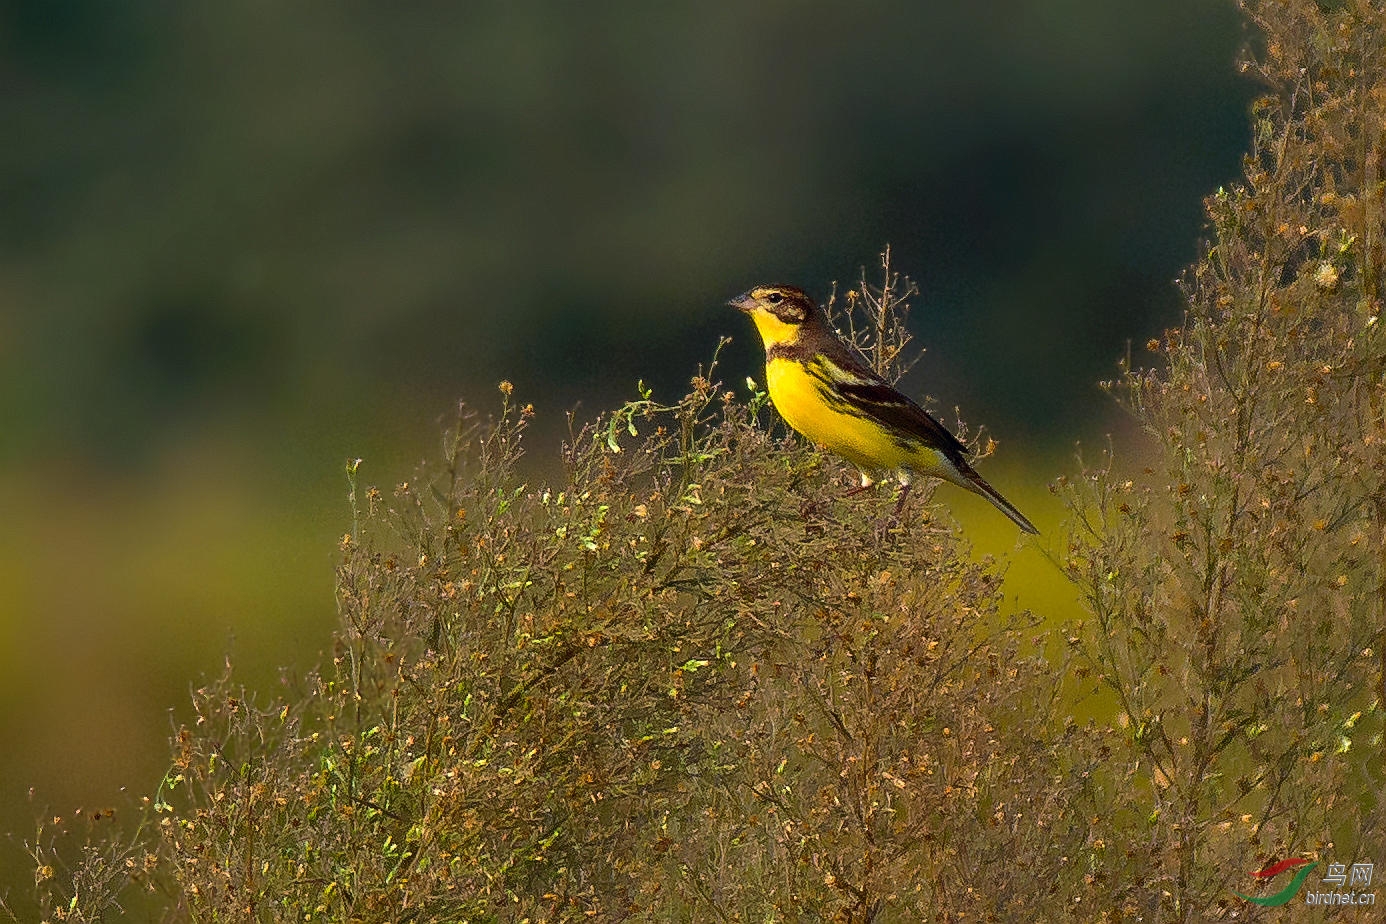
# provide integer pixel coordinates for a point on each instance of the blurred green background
(243, 242)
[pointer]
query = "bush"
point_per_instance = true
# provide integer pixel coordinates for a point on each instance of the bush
(688, 681)
(1236, 587)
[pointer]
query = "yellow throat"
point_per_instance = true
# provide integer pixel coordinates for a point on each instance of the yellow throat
(773, 331)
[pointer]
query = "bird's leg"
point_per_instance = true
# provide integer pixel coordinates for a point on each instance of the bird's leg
(904, 493)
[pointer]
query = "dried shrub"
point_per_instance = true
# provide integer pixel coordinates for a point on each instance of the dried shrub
(1236, 589)
(687, 681)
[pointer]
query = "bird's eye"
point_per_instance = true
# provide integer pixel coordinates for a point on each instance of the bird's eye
(774, 298)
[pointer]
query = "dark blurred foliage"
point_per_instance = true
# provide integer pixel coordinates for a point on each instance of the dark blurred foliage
(242, 242)
(260, 208)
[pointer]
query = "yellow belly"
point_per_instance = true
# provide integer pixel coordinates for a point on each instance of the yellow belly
(799, 398)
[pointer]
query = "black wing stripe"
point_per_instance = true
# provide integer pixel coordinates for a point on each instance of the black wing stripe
(894, 410)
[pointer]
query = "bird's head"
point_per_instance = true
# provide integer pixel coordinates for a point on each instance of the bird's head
(780, 312)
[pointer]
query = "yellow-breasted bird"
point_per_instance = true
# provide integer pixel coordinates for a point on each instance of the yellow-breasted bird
(826, 393)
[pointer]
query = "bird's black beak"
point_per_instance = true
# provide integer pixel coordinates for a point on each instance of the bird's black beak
(743, 302)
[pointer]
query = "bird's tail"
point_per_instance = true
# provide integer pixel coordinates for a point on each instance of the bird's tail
(977, 484)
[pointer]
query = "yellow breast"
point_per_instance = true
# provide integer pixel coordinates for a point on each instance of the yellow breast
(807, 404)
